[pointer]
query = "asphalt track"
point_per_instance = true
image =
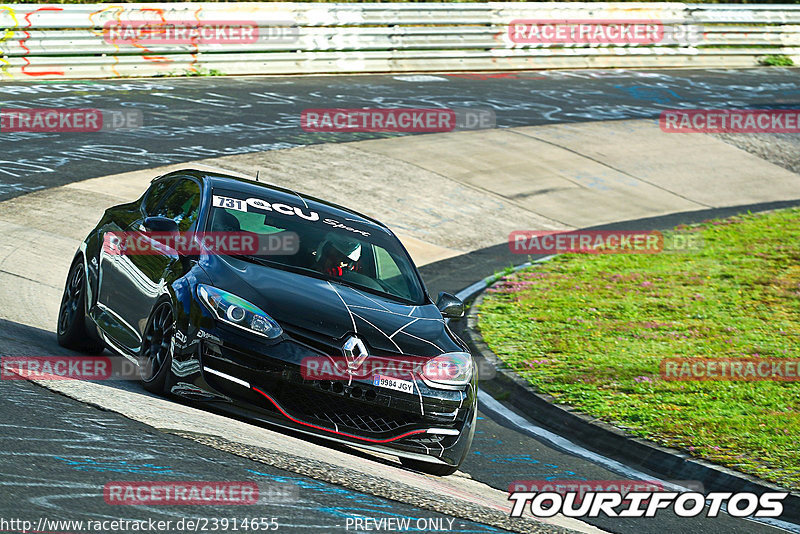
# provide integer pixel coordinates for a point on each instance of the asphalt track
(189, 119)
(55, 453)
(186, 119)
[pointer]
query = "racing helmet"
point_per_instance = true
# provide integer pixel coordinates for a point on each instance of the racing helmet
(337, 254)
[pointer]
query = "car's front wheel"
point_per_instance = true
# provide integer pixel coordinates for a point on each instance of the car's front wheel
(155, 357)
(71, 332)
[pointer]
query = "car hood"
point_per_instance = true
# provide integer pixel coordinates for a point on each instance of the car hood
(335, 310)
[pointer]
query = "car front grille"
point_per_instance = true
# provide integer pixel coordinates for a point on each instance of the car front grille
(338, 412)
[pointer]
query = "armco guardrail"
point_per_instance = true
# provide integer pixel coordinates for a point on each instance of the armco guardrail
(113, 40)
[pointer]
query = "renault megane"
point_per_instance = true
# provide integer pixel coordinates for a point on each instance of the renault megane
(327, 329)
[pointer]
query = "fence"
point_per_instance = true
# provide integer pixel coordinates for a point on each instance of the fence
(120, 40)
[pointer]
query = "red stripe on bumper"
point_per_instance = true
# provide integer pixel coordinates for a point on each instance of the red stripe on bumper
(299, 422)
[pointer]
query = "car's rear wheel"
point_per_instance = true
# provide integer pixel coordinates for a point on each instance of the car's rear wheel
(155, 357)
(71, 332)
(439, 470)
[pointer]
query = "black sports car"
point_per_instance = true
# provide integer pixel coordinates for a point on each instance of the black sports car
(333, 333)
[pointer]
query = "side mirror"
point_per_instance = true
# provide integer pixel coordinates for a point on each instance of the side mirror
(450, 306)
(163, 231)
(159, 224)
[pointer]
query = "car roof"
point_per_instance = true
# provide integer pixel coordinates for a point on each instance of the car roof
(250, 186)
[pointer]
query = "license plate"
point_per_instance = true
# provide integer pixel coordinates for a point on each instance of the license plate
(406, 386)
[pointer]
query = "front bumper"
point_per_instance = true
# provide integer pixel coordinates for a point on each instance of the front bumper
(263, 380)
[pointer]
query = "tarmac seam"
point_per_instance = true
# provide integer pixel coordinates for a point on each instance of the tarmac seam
(37, 282)
(604, 164)
(471, 186)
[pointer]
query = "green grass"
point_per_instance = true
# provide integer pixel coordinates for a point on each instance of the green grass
(197, 72)
(777, 60)
(591, 330)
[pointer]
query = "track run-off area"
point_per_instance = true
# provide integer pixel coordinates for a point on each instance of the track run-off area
(571, 150)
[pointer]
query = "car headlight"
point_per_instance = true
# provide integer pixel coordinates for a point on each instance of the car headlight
(236, 311)
(451, 370)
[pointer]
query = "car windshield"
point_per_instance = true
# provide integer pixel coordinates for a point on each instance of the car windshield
(332, 247)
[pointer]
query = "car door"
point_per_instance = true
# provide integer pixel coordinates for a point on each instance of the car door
(113, 295)
(132, 282)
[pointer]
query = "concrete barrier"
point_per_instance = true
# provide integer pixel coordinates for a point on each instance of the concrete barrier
(112, 40)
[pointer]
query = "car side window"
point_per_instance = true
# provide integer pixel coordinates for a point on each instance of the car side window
(386, 266)
(182, 204)
(155, 195)
(388, 272)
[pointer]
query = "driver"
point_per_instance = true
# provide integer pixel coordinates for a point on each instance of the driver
(338, 254)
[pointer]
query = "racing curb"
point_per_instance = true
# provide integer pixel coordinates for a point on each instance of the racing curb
(591, 433)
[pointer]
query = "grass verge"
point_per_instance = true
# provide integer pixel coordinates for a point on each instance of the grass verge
(592, 329)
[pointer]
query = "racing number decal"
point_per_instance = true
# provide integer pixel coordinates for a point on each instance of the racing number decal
(229, 203)
(262, 205)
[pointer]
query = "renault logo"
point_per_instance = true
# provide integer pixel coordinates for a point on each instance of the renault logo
(355, 352)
